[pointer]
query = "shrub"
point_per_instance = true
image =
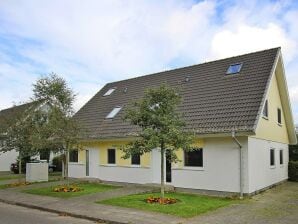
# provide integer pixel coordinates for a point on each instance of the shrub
(293, 170)
(57, 161)
(293, 152)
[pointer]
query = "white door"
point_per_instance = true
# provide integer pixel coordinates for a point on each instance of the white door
(93, 162)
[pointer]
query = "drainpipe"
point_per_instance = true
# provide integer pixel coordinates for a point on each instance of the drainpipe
(241, 163)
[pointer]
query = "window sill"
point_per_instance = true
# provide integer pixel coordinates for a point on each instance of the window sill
(135, 166)
(75, 163)
(264, 117)
(281, 165)
(272, 167)
(279, 124)
(109, 164)
(190, 168)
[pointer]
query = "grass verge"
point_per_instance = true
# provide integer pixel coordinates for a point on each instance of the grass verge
(88, 188)
(188, 205)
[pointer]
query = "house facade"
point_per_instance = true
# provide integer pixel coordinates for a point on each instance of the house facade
(238, 107)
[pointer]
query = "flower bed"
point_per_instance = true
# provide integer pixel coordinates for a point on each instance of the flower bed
(65, 188)
(18, 184)
(163, 201)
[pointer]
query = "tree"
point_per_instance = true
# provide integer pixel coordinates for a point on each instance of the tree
(58, 129)
(161, 126)
(17, 134)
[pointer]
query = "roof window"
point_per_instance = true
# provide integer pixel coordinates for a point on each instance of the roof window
(109, 92)
(114, 112)
(234, 68)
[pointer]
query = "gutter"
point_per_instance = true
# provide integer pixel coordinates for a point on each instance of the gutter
(241, 163)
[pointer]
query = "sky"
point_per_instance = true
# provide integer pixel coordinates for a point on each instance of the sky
(91, 43)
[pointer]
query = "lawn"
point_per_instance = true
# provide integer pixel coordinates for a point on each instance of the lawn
(88, 188)
(11, 176)
(188, 205)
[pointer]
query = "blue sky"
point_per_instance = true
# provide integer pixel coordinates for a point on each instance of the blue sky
(91, 43)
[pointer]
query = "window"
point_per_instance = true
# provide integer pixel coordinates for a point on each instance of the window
(109, 92)
(281, 157)
(234, 68)
(265, 110)
(111, 156)
(272, 157)
(279, 115)
(73, 156)
(194, 158)
(135, 159)
(114, 112)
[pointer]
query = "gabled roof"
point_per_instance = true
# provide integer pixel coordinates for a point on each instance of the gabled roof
(9, 115)
(213, 102)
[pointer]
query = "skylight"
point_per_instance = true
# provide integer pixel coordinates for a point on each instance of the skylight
(109, 92)
(234, 68)
(114, 112)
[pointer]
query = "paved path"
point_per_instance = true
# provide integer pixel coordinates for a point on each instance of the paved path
(11, 214)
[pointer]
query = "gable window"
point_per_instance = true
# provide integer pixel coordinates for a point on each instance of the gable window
(194, 158)
(109, 92)
(234, 68)
(111, 156)
(135, 159)
(278, 115)
(281, 157)
(272, 157)
(73, 156)
(265, 109)
(114, 112)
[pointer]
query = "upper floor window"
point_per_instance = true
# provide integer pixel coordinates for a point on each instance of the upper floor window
(279, 115)
(114, 112)
(135, 159)
(109, 92)
(234, 68)
(111, 156)
(194, 158)
(265, 109)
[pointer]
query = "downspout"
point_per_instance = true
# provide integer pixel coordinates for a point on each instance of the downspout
(241, 163)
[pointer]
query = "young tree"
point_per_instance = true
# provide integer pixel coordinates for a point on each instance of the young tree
(17, 134)
(160, 126)
(59, 130)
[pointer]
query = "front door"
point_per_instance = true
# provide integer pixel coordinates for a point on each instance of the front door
(93, 162)
(168, 168)
(87, 163)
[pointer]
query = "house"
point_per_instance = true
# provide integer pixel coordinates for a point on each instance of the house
(238, 107)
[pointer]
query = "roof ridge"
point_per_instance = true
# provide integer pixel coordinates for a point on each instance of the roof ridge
(194, 65)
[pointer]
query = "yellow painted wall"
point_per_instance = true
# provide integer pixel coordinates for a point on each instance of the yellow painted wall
(103, 153)
(199, 143)
(269, 129)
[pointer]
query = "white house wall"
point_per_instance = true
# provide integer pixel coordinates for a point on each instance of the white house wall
(6, 159)
(220, 170)
(261, 174)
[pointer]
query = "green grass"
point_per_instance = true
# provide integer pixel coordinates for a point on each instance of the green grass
(88, 188)
(188, 205)
(11, 176)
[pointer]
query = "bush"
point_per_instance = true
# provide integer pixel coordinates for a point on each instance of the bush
(57, 161)
(293, 170)
(293, 152)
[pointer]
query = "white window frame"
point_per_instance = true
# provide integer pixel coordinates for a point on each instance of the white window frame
(267, 108)
(109, 92)
(274, 157)
(114, 112)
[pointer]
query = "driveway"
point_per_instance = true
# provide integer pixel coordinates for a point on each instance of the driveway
(278, 205)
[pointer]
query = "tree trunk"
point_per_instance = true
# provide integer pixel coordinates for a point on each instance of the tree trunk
(66, 166)
(162, 179)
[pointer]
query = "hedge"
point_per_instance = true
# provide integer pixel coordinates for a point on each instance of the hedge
(293, 171)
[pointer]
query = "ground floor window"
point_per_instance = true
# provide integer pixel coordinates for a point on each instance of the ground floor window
(272, 157)
(73, 156)
(111, 156)
(135, 159)
(194, 158)
(281, 157)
